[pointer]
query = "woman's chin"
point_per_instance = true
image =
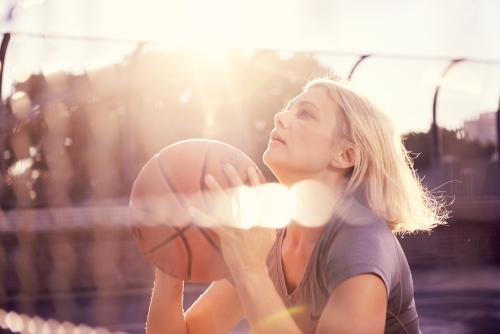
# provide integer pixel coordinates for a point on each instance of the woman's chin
(274, 164)
(269, 159)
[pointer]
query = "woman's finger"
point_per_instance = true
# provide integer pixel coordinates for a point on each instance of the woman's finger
(214, 186)
(232, 176)
(253, 177)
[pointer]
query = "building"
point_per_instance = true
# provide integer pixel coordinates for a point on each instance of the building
(483, 129)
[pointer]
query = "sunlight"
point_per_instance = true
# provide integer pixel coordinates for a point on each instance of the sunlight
(53, 62)
(447, 15)
(275, 205)
(32, 326)
(269, 320)
(21, 105)
(246, 207)
(31, 3)
(215, 54)
(313, 203)
(20, 166)
(267, 205)
(272, 205)
(36, 325)
(66, 327)
(209, 25)
(21, 72)
(50, 326)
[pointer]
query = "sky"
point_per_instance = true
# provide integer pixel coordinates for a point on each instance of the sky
(426, 32)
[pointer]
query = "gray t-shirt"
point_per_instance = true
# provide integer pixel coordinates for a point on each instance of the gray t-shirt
(355, 241)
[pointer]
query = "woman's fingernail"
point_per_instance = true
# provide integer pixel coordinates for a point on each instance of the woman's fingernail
(252, 170)
(228, 167)
(209, 179)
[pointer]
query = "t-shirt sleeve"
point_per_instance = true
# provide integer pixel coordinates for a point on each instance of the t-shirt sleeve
(362, 247)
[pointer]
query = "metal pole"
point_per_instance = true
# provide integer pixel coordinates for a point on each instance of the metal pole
(3, 52)
(498, 138)
(3, 137)
(436, 152)
(356, 65)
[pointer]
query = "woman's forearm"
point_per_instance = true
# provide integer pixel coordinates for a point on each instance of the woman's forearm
(264, 309)
(166, 314)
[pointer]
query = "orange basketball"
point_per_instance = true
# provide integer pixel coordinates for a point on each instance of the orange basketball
(169, 183)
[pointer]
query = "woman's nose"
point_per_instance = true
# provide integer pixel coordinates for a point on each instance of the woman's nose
(281, 120)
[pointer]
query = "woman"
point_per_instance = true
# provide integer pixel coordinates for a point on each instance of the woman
(348, 276)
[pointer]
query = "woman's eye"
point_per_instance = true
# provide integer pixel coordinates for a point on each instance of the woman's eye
(304, 112)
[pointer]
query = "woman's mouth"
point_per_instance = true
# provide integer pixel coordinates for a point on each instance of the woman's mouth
(275, 137)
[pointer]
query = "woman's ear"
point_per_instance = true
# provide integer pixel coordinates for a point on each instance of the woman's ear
(346, 158)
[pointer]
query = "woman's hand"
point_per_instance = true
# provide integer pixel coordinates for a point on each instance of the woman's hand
(244, 249)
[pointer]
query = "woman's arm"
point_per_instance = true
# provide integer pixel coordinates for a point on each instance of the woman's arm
(263, 307)
(357, 305)
(166, 314)
(218, 310)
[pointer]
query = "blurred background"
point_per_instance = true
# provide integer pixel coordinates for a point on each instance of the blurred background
(91, 90)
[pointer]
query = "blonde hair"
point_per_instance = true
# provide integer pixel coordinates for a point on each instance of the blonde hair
(383, 177)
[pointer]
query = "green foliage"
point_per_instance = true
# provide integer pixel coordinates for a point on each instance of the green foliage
(419, 145)
(92, 133)
(465, 149)
(452, 142)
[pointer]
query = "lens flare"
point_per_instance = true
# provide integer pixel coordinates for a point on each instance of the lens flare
(248, 207)
(21, 105)
(272, 205)
(313, 203)
(275, 205)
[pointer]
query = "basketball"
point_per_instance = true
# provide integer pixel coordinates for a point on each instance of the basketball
(170, 183)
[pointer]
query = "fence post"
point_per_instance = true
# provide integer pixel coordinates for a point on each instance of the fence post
(3, 127)
(3, 52)
(363, 57)
(498, 138)
(436, 147)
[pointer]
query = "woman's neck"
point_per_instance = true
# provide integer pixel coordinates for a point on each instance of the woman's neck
(329, 177)
(314, 207)
(299, 235)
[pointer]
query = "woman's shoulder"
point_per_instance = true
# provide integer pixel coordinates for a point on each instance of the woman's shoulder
(351, 214)
(357, 241)
(360, 235)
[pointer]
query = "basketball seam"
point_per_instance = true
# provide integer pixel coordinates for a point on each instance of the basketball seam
(203, 194)
(181, 201)
(209, 239)
(189, 255)
(178, 233)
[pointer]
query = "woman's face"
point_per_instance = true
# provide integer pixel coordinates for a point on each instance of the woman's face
(304, 141)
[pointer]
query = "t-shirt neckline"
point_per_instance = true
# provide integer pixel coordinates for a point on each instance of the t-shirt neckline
(292, 298)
